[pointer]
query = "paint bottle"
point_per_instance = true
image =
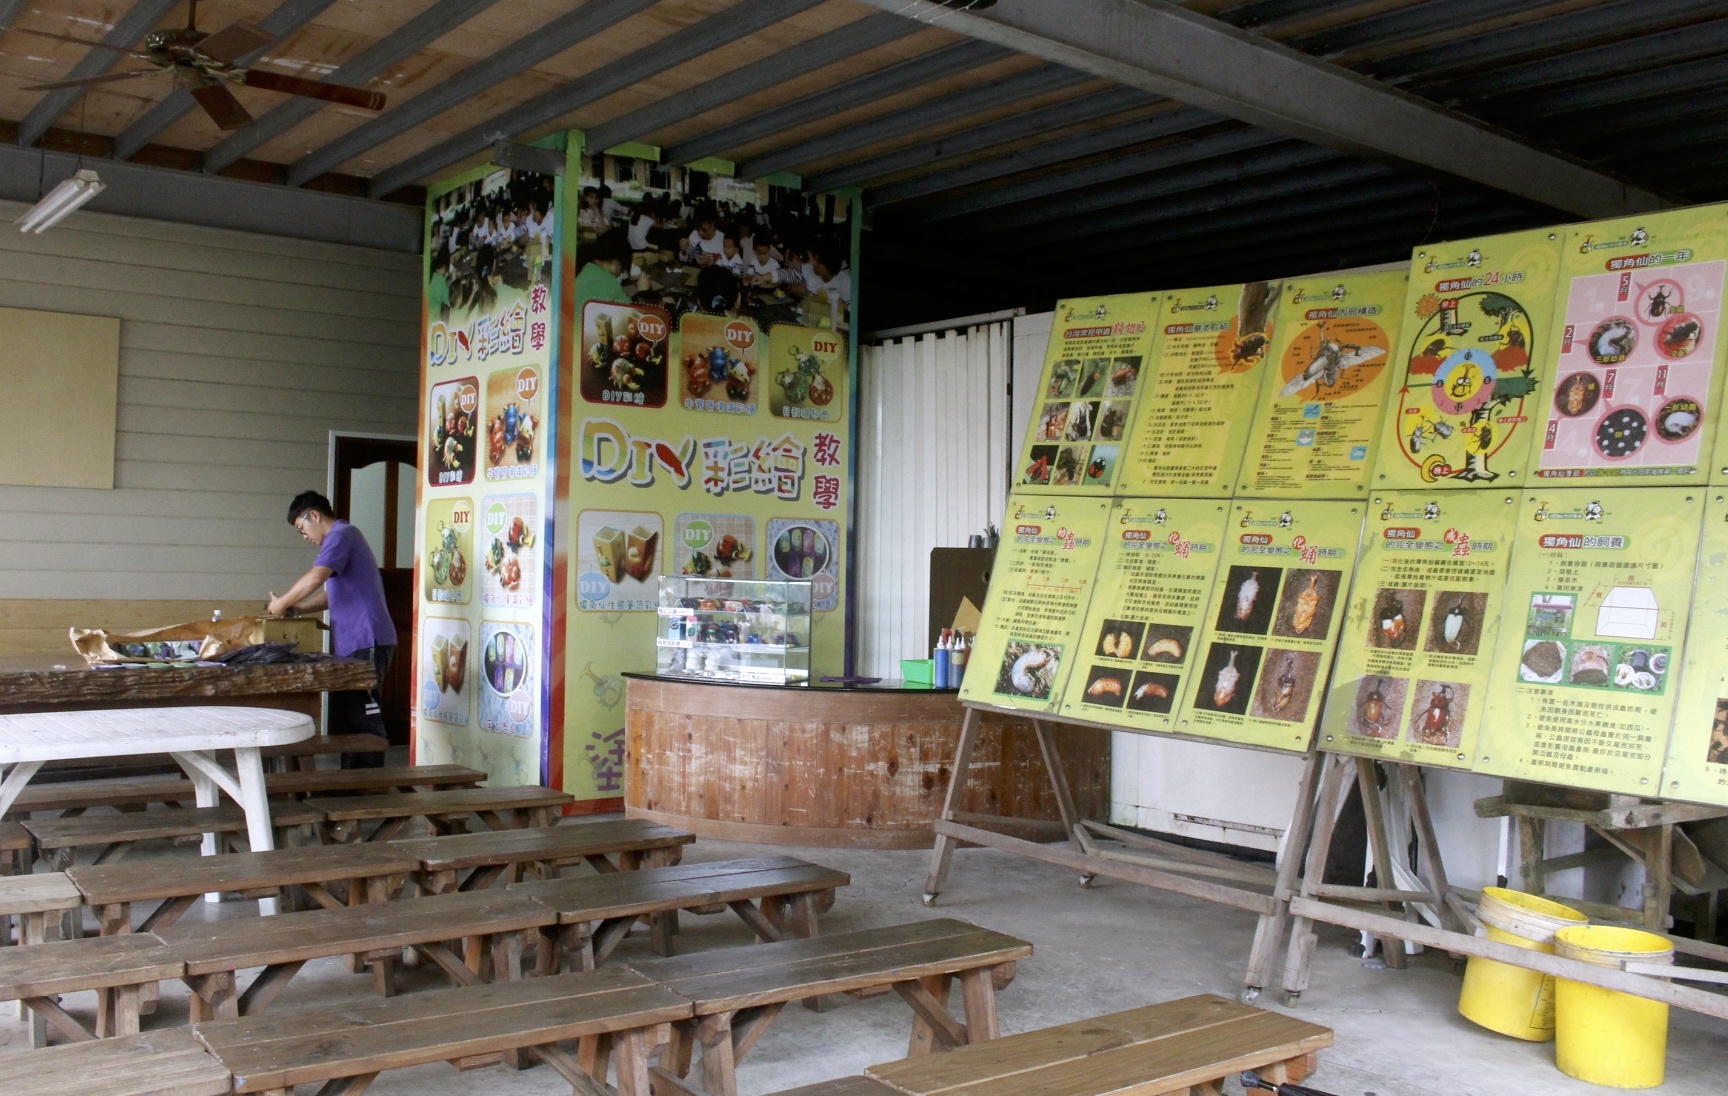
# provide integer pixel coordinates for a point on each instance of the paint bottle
(940, 657)
(957, 660)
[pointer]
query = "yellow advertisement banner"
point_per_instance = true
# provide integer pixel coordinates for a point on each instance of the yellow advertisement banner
(1473, 365)
(1639, 351)
(1030, 637)
(1697, 766)
(1272, 622)
(1411, 680)
(1189, 431)
(1136, 651)
(1095, 369)
(1583, 682)
(1318, 418)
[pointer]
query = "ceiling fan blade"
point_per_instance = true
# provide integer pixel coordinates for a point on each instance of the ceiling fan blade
(219, 103)
(235, 41)
(315, 89)
(85, 42)
(88, 80)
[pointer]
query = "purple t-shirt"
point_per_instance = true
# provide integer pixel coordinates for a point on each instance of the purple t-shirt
(358, 616)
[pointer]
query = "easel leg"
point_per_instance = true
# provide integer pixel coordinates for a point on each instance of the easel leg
(1416, 800)
(1368, 780)
(1269, 933)
(1064, 795)
(1658, 880)
(1334, 785)
(942, 856)
(1532, 850)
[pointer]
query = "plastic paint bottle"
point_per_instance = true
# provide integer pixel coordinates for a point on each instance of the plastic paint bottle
(941, 656)
(957, 660)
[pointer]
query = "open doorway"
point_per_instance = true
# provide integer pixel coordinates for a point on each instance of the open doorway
(372, 484)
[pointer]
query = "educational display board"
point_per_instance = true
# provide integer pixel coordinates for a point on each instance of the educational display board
(1639, 352)
(1594, 612)
(1136, 650)
(1317, 423)
(1272, 623)
(1210, 355)
(1471, 363)
(1031, 636)
(1411, 683)
(1697, 767)
(1095, 370)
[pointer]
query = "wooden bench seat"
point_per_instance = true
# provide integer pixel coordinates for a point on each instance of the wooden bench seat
(138, 792)
(469, 1026)
(1185, 1046)
(157, 1063)
(595, 912)
(115, 967)
(498, 808)
(113, 835)
(15, 848)
(178, 881)
(405, 778)
(469, 861)
(30, 900)
(214, 952)
(303, 755)
(845, 1086)
(737, 992)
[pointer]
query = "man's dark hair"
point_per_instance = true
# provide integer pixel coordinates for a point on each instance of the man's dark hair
(613, 245)
(309, 502)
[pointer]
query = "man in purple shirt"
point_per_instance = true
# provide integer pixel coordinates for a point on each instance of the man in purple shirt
(344, 580)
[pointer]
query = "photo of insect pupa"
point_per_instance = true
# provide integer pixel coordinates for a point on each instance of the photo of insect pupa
(1248, 599)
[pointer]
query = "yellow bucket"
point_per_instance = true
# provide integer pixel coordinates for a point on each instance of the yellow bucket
(1603, 1036)
(1513, 1000)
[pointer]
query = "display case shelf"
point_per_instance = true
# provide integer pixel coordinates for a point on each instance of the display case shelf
(746, 630)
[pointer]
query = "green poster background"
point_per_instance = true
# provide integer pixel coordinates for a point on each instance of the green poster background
(1411, 680)
(1473, 367)
(1318, 419)
(1697, 765)
(1030, 637)
(1136, 651)
(1272, 622)
(1097, 365)
(1596, 606)
(1210, 357)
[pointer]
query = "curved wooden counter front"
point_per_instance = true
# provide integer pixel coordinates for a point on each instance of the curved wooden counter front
(834, 767)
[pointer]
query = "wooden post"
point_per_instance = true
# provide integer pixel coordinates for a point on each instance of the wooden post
(1270, 929)
(942, 856)
(1368, 781)
(1333, 788)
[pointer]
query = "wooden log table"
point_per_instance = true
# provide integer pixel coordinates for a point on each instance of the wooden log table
(37, 683)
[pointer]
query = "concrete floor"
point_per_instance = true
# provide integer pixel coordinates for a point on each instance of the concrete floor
(1110, 947)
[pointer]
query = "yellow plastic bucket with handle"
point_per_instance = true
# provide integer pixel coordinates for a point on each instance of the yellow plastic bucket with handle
(1513, 1000)
(1601, 1035)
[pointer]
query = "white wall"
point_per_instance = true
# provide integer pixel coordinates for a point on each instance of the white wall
(239, 353)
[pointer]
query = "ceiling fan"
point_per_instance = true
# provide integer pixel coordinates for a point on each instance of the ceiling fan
(205, 64)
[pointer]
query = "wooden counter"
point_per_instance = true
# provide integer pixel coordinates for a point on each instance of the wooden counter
(865, 768)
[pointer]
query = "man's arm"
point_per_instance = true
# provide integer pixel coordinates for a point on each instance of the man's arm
(298, 596)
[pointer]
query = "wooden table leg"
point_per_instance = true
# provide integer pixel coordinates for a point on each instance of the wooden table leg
(719, 1071)
(507, 967)
(924, 1035)
(942, 856)
(978, 991)
(633, 1066)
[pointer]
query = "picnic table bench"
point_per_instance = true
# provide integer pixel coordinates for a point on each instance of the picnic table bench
(738, 992)
(116, 967)
(29, 899)
(470, 861)
(15, 849)
(498, 808)
(113, 835)
(138, 792)
(157, 1063)
(468, 1026)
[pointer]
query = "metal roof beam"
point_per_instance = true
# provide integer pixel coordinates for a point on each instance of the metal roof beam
(9, 10)
(1032, 123)
(693, 41)
(1382, 33)
(417, 33)
(1687, 83)
(279, 24)
(135, 24)
(948, 108)
(1159, 126)
(824, 49)
(1161, 48)
(910, 73)
(550, 40)
(1621, 56)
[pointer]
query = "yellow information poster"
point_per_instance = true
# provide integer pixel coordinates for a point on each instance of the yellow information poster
(1154, 583)
(1189, 430)
(1318, 419)
(1099, 355)
(1472, 358)
(1411, 681)
(1583, 683)
(1697, 767)
(1272, 622)
(1638, 358)
(1030, 636)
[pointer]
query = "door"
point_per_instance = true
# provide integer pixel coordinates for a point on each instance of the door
(374, 481)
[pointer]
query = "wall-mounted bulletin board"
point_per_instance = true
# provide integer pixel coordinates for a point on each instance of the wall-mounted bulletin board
(61, 375)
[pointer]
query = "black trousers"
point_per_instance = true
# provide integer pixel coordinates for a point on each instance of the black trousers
(360, 711)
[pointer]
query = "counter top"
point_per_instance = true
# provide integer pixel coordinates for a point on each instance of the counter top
(886, 685)
(66, 681)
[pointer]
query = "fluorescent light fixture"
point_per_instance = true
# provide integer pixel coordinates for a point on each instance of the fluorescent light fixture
(60, 201)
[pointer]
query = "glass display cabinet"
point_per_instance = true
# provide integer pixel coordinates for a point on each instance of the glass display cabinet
(733, 629)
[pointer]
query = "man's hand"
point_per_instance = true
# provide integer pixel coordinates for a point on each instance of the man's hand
(280, 606)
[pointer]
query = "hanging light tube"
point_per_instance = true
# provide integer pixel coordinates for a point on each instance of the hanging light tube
(62, 200)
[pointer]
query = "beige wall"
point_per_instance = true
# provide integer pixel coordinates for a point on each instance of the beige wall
(239, 353)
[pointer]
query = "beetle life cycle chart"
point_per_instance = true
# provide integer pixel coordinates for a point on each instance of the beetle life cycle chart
(1419, 636)
(1637, 355)
(1189, 431)
(1596, 607)
(1272, 623)
(1098, 362)
(1029, 638)
(1136, 650)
